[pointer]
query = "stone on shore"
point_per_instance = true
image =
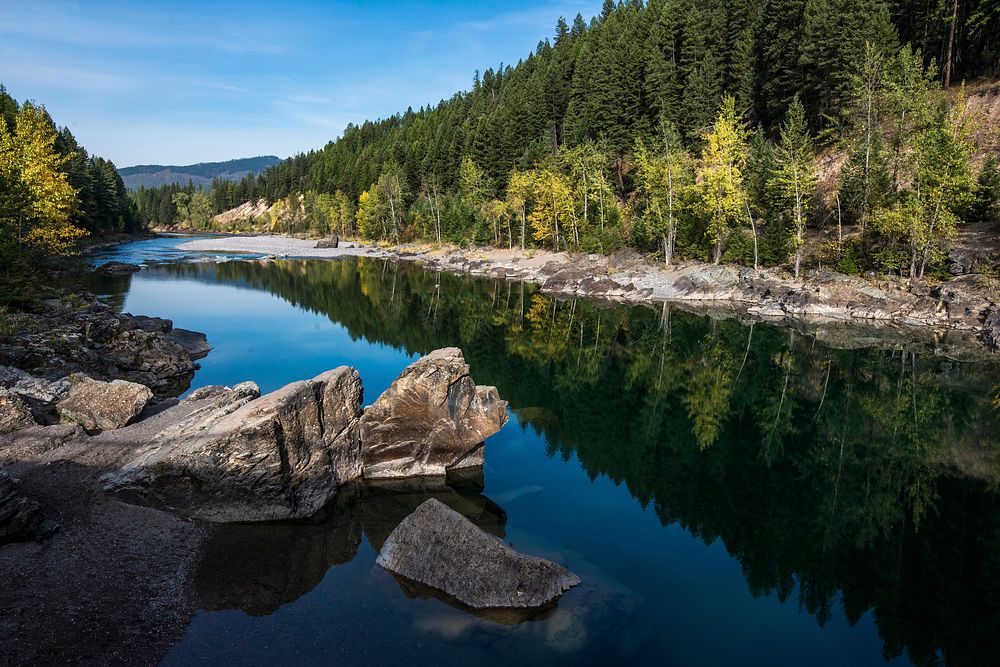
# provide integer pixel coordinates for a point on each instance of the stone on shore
(20, 519)
(103, 406)
(431, 419)
(242, 458)
(325, 244)
(14, 412)
(438, 547)
(145, 354)
(118, 268)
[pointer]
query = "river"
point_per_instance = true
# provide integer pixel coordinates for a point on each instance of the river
(729, 494)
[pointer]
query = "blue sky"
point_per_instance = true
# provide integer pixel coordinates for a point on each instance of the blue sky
(183, 82)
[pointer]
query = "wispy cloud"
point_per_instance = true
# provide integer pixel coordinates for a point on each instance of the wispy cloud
(66, 23)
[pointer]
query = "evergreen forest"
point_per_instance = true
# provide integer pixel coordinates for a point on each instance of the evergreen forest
(727, 130)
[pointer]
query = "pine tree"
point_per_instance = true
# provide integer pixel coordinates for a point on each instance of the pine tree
(795, 177)
(987, 202)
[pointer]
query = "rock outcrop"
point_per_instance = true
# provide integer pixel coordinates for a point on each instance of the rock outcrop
(14, 412)
(432, 419)
(80, 334)
(280, 456)
(102, 406)
(236, 456)
(438, 547)
(21, 519)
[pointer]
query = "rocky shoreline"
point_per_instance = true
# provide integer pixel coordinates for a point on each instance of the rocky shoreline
(111, 489)
(955, 315)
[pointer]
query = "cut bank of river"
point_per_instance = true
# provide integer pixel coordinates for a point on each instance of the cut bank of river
(728, 494)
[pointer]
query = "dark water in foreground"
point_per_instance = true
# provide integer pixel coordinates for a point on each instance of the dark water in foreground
(729, 495)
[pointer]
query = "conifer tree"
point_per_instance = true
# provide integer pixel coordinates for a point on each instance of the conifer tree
(795, 177)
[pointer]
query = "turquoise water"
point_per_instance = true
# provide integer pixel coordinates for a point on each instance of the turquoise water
(728, 494)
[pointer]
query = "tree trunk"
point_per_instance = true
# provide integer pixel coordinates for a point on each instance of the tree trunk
(951, 44)
(753, 229)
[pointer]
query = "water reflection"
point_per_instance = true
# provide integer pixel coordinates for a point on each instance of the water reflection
(855, 477)
(256, 568)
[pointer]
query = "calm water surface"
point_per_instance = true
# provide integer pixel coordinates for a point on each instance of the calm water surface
(728, 494)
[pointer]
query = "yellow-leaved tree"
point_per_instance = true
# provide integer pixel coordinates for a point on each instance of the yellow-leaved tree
(720, 176)
(36, 200)
(553, 197)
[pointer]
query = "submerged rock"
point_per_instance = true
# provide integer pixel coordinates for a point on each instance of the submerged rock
(431, 419)
(438, 547)
(243, 458)
(103, 406)
(20, 519)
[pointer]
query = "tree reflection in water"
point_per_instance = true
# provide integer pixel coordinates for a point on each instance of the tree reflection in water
(864, 475)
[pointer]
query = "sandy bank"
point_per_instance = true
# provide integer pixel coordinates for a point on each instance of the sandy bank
(280, 246)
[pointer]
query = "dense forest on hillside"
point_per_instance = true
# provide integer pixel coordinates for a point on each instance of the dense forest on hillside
(52, 193)
(690, 128)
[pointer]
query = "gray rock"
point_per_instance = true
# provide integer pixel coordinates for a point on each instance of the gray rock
(39, 390)
(438, 547)
(280, 456)
(14, 412)
(146, 355)
(332, 242)
(20, 519)
(431, 419)
(118, 269)
(959, 262)
(247, 390)
(103, 406)
(193, 342)
(146, 323)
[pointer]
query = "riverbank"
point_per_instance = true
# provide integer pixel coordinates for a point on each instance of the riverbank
(964, 307)
(111, 585)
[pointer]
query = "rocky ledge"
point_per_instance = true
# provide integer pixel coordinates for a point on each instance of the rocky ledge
(80, 334)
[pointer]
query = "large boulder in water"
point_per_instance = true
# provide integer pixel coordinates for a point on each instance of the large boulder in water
(432, 419)
(241, 458)
(438, 547)
(103, 406)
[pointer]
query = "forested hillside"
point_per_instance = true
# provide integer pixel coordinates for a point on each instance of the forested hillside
(202, 174)
(52, 194)
(698, 129)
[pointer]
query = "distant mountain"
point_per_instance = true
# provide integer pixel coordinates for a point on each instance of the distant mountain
(155, 175)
